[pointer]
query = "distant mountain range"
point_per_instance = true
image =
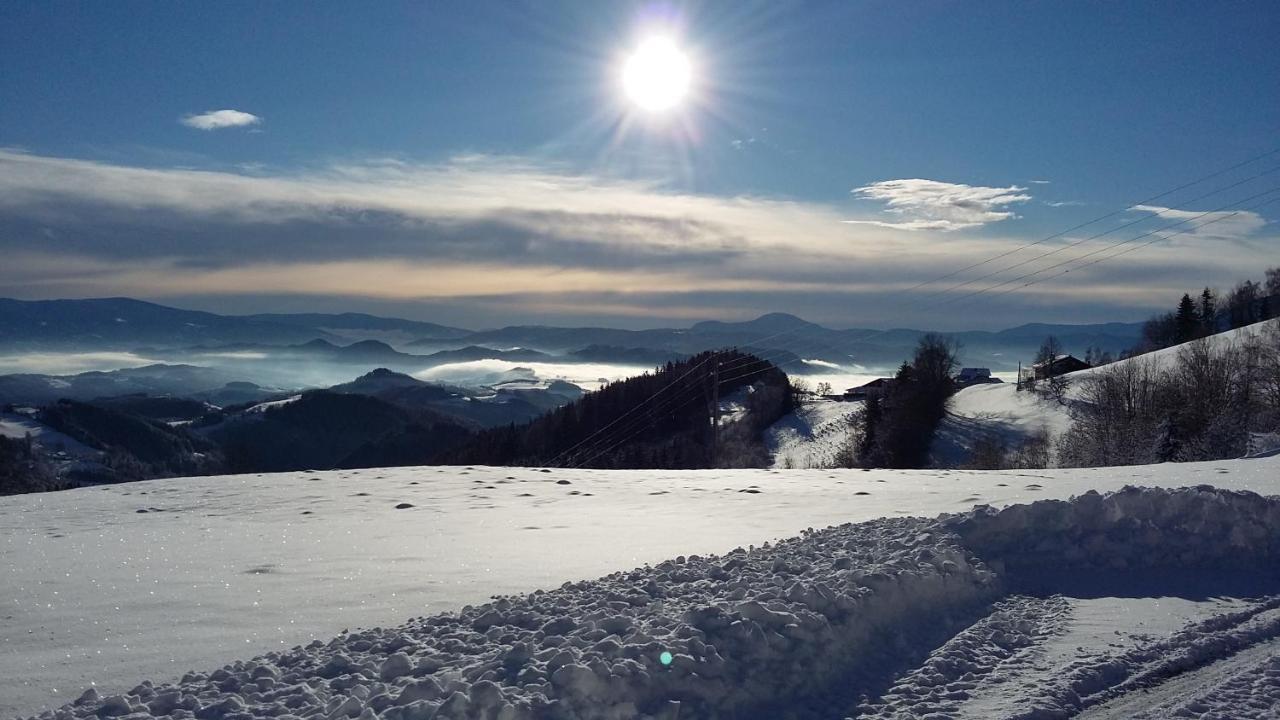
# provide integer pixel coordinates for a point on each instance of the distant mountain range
(126, 324)
(171, 421)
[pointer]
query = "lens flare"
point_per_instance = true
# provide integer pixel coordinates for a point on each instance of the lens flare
(658, 75)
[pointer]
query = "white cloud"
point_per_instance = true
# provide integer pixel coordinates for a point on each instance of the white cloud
(515, 233)
(218, 119)
(546, 203)
(936, 205)
(1200, 224)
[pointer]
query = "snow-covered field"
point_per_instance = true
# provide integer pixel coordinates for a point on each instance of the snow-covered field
(107, 586)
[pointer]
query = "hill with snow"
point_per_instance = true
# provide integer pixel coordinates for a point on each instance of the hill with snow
(1000, 410)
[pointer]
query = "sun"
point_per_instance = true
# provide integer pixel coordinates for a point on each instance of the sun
(657, 76)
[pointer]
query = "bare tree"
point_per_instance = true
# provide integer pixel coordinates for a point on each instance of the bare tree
(1116, 416)
(1057, 383)
(1034, 452)
(1242, 304)
(1267, 345)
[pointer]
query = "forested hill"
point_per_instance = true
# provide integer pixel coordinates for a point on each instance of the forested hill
(620, 426)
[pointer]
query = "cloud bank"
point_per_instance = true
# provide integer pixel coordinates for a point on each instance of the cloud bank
(219, 119)
(517, 238)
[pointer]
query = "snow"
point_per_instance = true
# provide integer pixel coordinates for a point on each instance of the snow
(18, 425)
(844, 379)
(812, 435)
(112, 584)
(1002, 411)
(270, 404)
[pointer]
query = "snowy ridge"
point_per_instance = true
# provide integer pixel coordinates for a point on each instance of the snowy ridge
(803, 628)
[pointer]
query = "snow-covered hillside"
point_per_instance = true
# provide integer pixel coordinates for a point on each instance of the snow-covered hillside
(1000, 410)
(110, 585)
(812, 436)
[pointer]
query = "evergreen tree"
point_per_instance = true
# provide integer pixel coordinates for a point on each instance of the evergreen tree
(1208, 312)
(1187, 319)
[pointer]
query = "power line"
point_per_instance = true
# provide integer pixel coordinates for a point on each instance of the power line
(1156, 232)
(1100, 218)
(1098, 235)
(1131, 249)
(998, 256)
(591, 441)
(1219, 209)
(639, 423)
(631, 410)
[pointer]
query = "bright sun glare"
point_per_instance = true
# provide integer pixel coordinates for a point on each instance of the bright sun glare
(657, 76)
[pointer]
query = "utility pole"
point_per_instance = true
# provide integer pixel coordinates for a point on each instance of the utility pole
(715, 408)
(1019, 380)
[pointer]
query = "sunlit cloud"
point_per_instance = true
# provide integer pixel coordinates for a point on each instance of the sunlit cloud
(219, 119)
(1201, 224)
(517, 235)
(936, 205)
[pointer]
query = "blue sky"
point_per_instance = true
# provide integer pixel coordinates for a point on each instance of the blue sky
(401, 156)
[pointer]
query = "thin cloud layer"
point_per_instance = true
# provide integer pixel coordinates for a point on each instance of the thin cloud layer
(936, 205)
(219, 119)
(511, 235)
(1195, 225)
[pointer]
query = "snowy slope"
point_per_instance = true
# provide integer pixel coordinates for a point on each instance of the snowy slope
(1002, 411)
(148, 580)
(812, 435)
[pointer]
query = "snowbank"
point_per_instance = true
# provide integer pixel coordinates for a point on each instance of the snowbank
(803, 627)
(1150, 528)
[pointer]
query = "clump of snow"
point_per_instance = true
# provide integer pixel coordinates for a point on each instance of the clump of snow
(749, 633)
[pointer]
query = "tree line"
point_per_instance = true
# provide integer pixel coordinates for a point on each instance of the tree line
(1209, 313)
(1204, 405)
(619, 426)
